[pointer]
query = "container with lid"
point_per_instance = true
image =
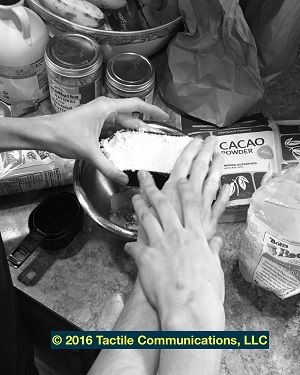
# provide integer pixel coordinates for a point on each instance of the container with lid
(130, 75)
(23, 40)
(74, 67)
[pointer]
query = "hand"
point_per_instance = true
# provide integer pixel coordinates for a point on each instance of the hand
(75, 134)
(204, 168)
(178, 269)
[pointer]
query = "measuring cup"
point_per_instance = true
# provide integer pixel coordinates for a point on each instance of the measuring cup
(53, 224)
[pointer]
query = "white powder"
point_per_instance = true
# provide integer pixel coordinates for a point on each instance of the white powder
(132, 150)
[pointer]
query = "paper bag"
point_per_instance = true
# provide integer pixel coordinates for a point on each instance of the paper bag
(275, 26)
(212, 71)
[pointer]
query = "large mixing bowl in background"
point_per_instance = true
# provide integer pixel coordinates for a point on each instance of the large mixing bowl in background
(106, 202)
(144, 42)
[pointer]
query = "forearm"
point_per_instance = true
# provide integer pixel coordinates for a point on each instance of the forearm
(192, 361)
(24, 133)
(137, 315)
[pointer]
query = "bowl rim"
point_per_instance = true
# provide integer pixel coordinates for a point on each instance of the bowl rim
(130, 234)
(100, 31)
(91, 211)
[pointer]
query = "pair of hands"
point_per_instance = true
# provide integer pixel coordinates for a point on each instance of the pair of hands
(177, 252)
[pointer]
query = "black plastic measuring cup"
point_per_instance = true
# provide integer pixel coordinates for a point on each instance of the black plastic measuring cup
(53, 224)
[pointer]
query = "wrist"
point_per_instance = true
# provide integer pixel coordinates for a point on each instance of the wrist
(43, 133)
(22, 133)
(201, 317)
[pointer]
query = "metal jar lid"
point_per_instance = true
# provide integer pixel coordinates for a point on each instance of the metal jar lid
(130, 72)
(73, 55)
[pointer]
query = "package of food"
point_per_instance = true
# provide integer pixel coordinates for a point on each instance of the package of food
(269, 254)
(25, 170)
(131, 151)
(252, 147)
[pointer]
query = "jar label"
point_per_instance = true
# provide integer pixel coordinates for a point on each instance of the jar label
(64, 98)
(147, 98)
(23, 82)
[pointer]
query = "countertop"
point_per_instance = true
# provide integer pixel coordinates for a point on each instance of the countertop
(88, 282)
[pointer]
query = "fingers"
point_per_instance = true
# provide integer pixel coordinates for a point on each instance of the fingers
(105, 166)
(215, 244)
(201, 164)
(134, 249)
(142, 236)
(190, 209)
(129, 105)
(164, 209)
(220, 204)
(143, 194)
(184, 163)
(213, 179)
(145, 217)
(129, 122)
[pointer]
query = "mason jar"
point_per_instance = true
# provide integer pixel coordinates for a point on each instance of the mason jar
(130, 75)
(74, 69)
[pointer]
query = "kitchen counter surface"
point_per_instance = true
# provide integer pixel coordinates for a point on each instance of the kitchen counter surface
(88, 282)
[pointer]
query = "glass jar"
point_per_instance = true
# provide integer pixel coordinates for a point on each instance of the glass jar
(130, 75)
(74, 68)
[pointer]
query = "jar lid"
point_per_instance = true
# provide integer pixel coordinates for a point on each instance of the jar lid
(73, 55)
(130, 71)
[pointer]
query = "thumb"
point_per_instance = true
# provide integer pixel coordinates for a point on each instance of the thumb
(99, 161)
(133, 249)
(215, 244)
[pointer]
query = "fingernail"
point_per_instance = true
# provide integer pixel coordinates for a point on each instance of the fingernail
(198, 141)
(123, 179)
(142, 175)
(211, 139)
(136, 196)
(226, 187)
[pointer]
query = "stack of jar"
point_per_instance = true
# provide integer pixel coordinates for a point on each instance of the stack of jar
(69, 65)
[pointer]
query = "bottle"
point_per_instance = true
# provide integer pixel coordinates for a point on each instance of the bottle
(23, 40)
(269, 254)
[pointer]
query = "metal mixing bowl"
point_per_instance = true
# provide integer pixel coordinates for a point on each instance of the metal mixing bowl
(105, 200)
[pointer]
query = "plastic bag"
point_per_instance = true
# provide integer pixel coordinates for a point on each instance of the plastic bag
(275, 26)
(25, 170)
(269, 255)
(212, 71)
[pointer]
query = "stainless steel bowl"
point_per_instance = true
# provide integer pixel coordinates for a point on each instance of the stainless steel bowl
(104, 200)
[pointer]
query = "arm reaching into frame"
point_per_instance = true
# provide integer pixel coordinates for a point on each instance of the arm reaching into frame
(138, 313)
(180, 273)
(75, 134)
